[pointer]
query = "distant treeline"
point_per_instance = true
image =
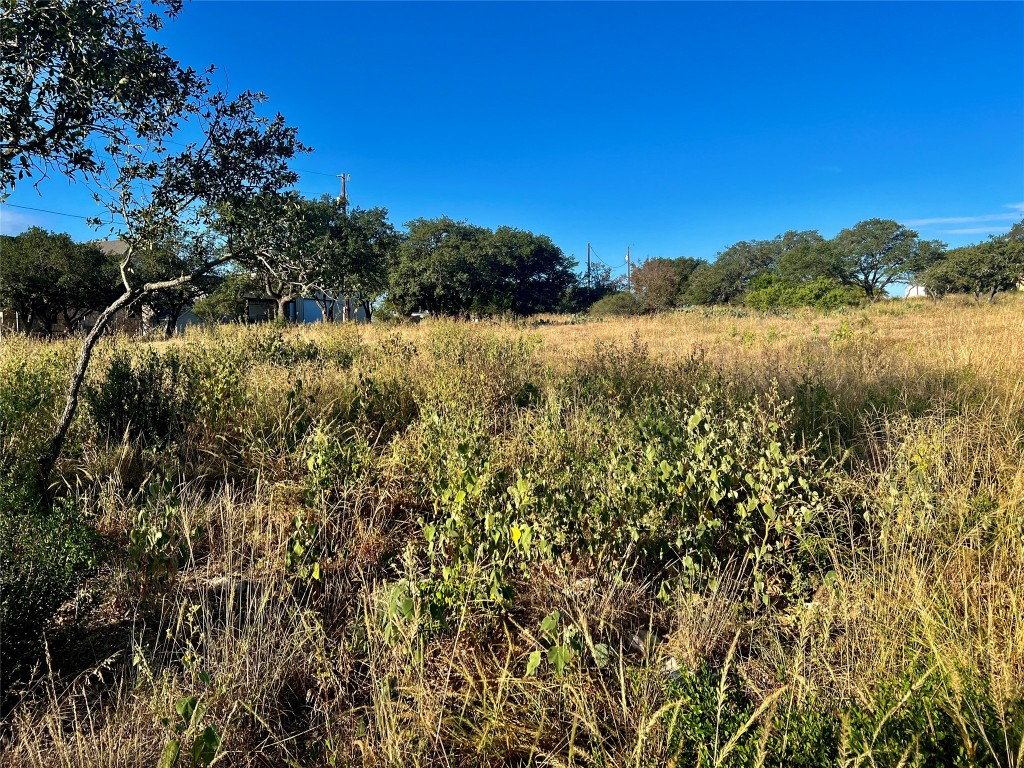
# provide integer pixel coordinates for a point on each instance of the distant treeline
(806, 269)
(450, 267)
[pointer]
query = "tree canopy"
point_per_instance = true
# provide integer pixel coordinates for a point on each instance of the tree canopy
(47, 277)
(172, 157)
(80, 71)
(807, 257)
(176, 255)
(878, 252)
(983, 269)
(456, 268)
(661, 283)
(355, 249)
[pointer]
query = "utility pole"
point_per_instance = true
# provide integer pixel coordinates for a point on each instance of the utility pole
(589, 286)
(628, 283)
(346, 311)
(344, 190)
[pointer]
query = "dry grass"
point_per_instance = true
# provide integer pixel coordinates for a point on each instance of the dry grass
(918, 406)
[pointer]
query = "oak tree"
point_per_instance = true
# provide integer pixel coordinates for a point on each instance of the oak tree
(47, 277)
(80, 80)
(878, 252)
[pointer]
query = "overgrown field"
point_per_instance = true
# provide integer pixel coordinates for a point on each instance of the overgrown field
(709, 538)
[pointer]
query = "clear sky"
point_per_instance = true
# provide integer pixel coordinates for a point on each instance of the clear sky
(678, 128)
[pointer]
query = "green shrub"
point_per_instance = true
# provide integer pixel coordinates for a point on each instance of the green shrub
(31, 393)
(683, 488)
(218, 395)
(157, 545)
(711, 720)
(145, 395)
(616, 304)
(467, 527)
(336, 458)
(688, 485)
(826, 294)
(477, 374)
(44, 555)
(268, 345)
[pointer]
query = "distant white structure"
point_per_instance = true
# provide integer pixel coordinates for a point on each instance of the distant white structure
(915, 292)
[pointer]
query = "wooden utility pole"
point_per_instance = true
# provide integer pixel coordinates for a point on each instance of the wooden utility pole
(628, 277)
(346, 312)
(589, 285)
(344, 190)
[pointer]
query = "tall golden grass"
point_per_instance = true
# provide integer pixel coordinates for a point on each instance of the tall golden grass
(916, 409)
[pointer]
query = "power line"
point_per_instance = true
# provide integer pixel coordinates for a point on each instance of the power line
(79, 216)
(44, 210)
(300, 170)
(318, 173)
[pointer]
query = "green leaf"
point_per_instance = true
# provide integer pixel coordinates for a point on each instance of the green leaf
(533, 663)
(169, 757)
(558, 657)
(206, 746)
(549, 626)
(407, 607)
(602, 655)
(186, 708)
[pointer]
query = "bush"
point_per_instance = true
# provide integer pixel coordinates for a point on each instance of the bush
(45, 556)
(682, 487)
(689, 486)
(31, 391)
(616, 305)
(145, 396)
(713, 720)
(772, 294)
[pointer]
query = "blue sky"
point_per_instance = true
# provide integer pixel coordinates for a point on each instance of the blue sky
(677, 128)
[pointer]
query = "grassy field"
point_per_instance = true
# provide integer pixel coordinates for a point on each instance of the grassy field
(710, 538)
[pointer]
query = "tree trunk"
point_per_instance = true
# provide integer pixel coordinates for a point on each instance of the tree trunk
(171, 321)
(48, 461)
(282, 302)
(74, 387)
(367, 310)
(321, 304)
(992, 294)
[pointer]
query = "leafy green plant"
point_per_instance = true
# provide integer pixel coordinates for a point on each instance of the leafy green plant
(616, 304)
(187, 726)
(302, 551)
(843, 333)
(218, 395)
(823, 293)
(157, 546)
(268, 344)
(686, 487)
(563, 646)
(336, 457)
